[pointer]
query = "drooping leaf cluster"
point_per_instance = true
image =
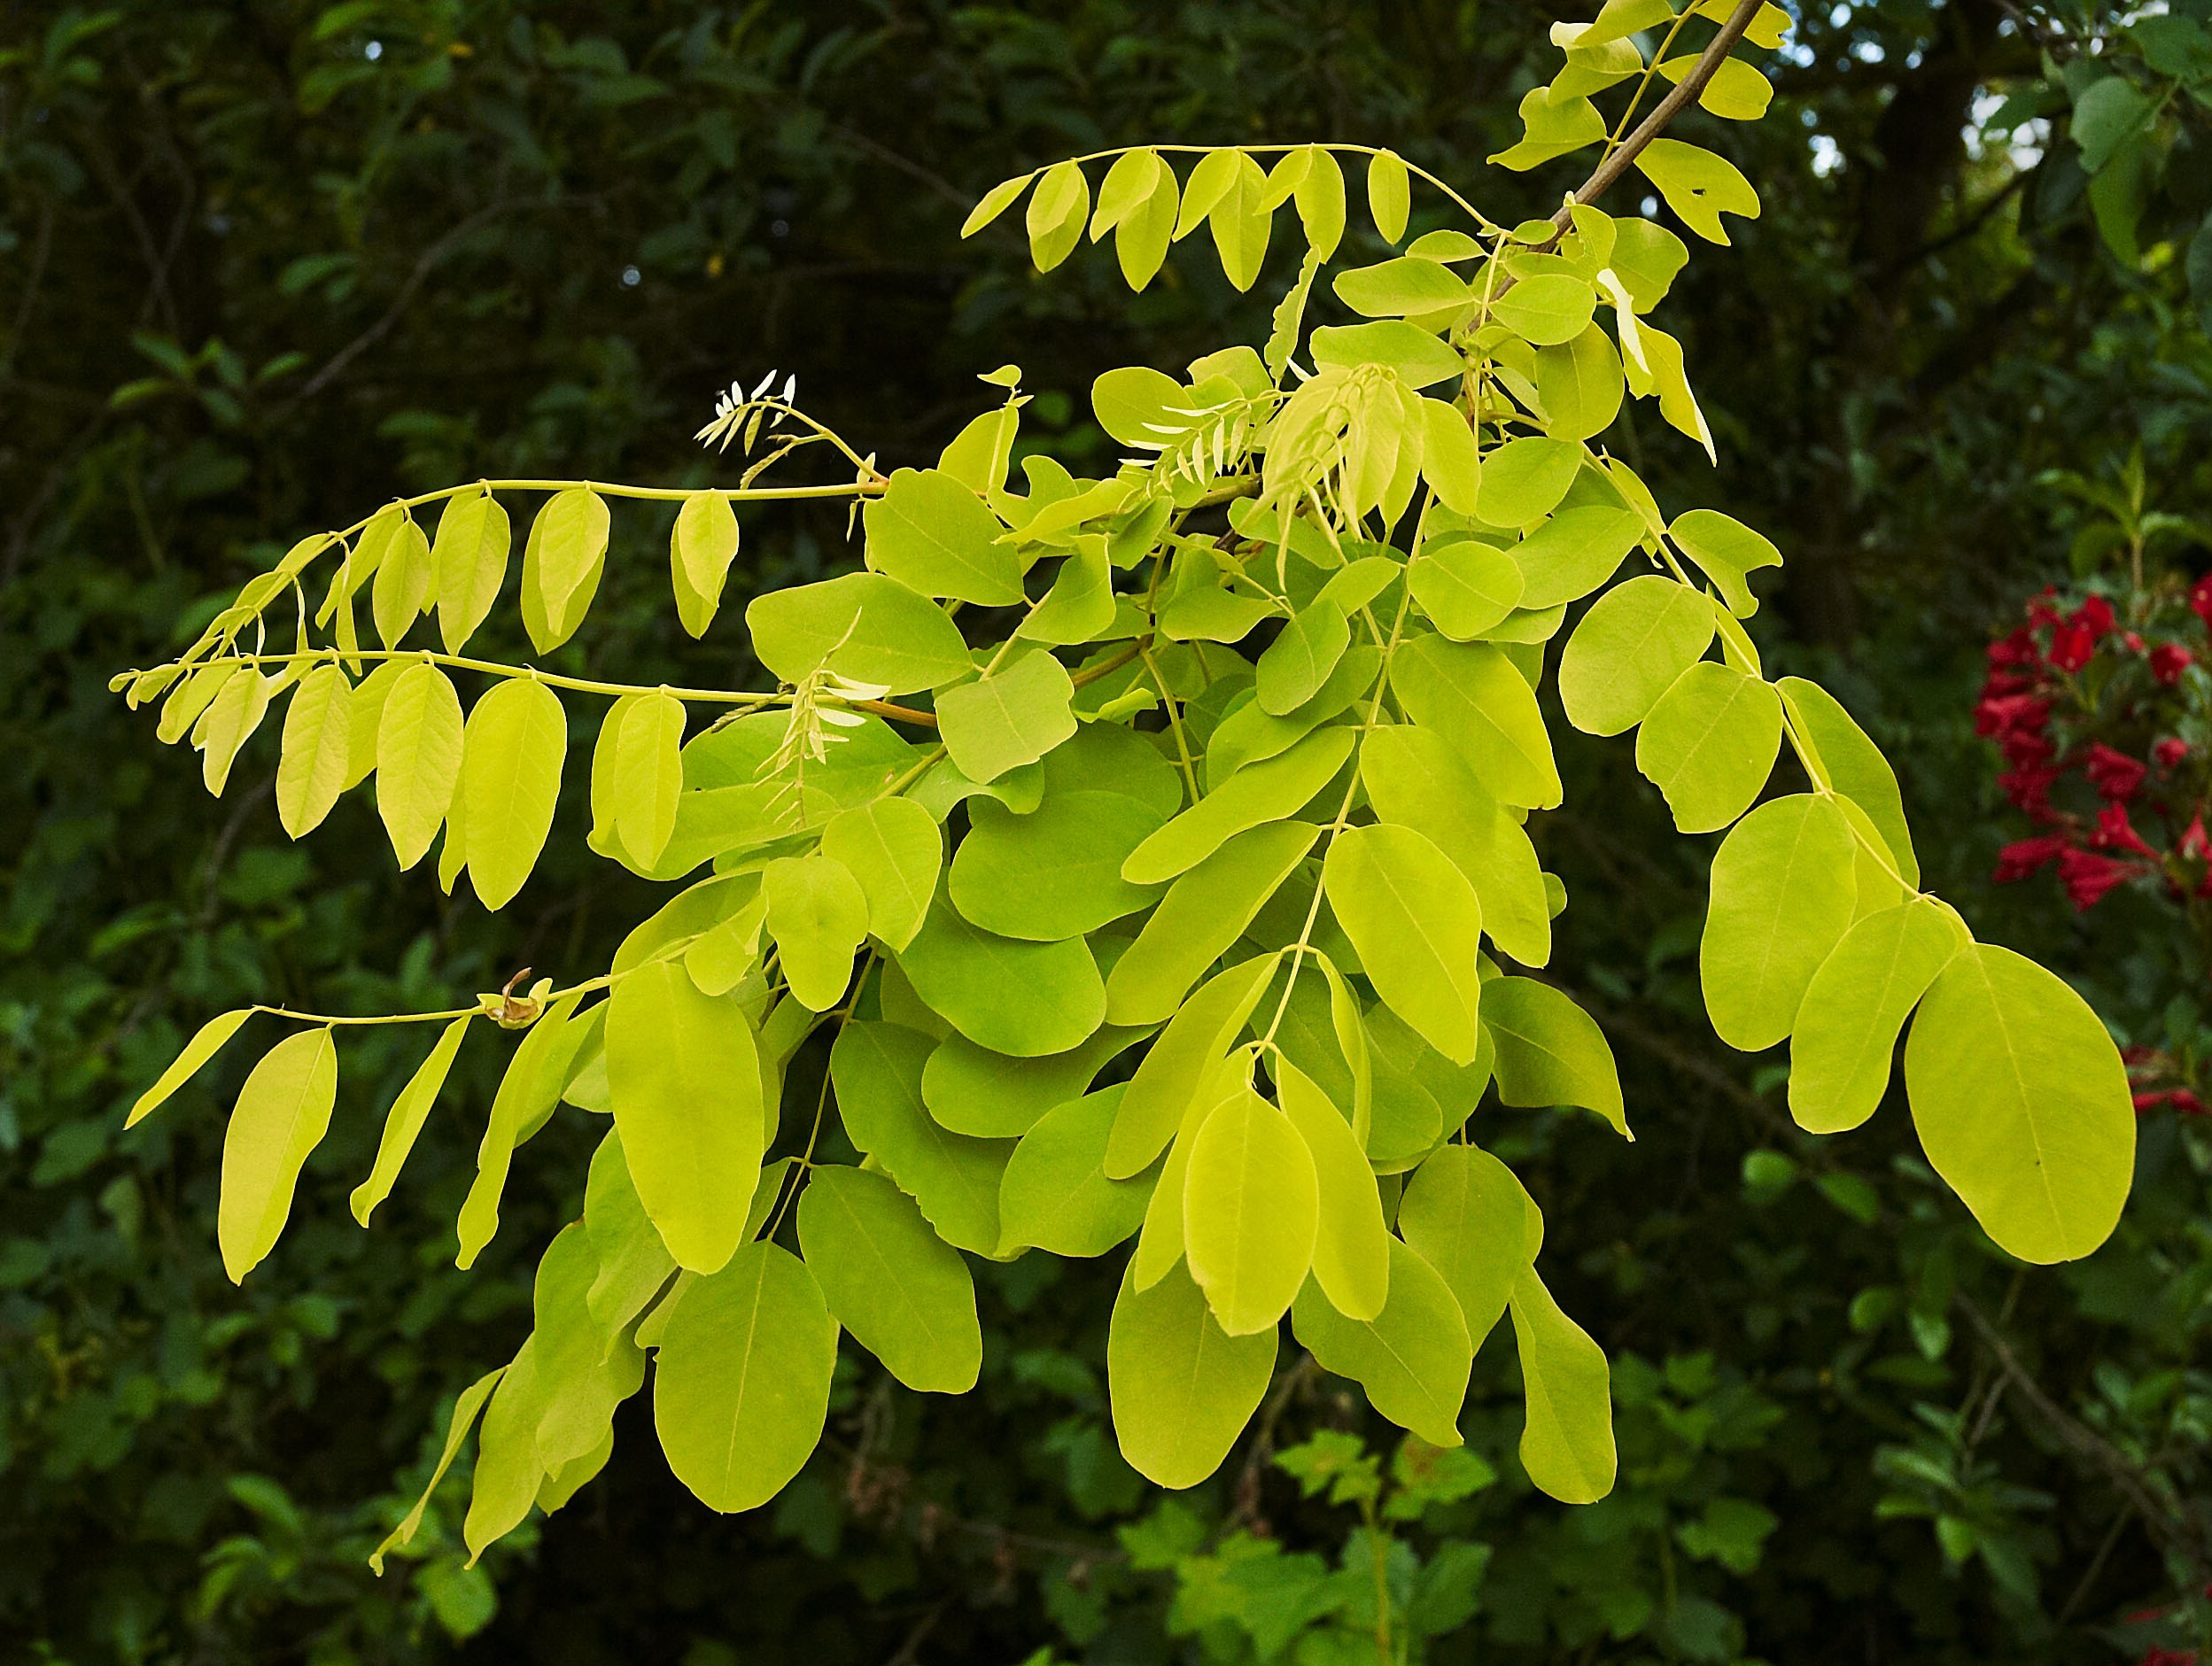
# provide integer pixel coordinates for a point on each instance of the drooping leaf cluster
(1155, 846)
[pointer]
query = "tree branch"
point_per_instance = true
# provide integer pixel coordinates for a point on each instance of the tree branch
(1620, 161)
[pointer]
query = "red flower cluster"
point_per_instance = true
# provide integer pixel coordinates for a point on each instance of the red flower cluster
(2154, 1081)
(2046, 693)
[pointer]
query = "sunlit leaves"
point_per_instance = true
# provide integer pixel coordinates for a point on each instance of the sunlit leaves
(1389, 194)
(2021, 1103)
(741, 1385)
(1250, 1205)
(207, 1042)
(1567, 1442)
(1698, 185)
(1781, 896)
(683, 1071)
(1012, 716)
(281, 1116)
(701, 546)
(1413, 1357)
(1417, 923)
(1550, 1051)
(1182, 1388)
(470, 561)
(1855, 1006)
(317, 743)
(419, 748)
(904, 1293)
(1709, 744)
(934, 536)
(512, 750)
(1628, 650)
(562, 562)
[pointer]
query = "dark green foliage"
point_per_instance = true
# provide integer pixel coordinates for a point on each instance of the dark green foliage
(256, 279)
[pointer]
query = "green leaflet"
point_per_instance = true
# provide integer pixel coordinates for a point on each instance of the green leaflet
(1574, 553)
(1057, 212)
(1698, 185)
(818, 916)
(466, 1406)
(1251, 1206)
(2021, 1103)
(902, 1292)
(365, 713)
(647, 774)
(1055, 1194)
(894, 849)
(1295, 665)
(1055, 873)
(1629, 648)
(281, 1115)
(404, 1121)
(741, 1385)
(1783, 895)
(1182, 1389)
(1548, 309)
(1855, 1006)
(419, 747)
(562, 562)
(971, 1090)
(1389, 194)
(527, 1095)
(1855, 766)
(207, 1042)
(316, 749)
(701, 546)
(877, 1069)
(1415, 778)
(1204, 912)
(864, 626)
(1472, 1221)
(1728, 551)
(1709, 744)
(1567, 1442)
(228, 722)
(512, 750)
(508, 1472)
(1171, 1074)
(1245, 734)
(1263, 792)
(1011, 717)
(1466, 587)
(1418, 926)
(1550, 1051)
(683, 1070)
(403, 584)
(1025, 999)
(1351, 1251)
(583, 1372)
(934, 536)
(1401, 288)
(1450, 461)
(1581, 384)
(1413, 1358)
(1523, 479)
(1474, 695)
(631, 1265)
(470, 561)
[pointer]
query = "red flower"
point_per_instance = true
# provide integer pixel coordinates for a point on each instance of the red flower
(2007, 712)
(2134, 641)
(2168, 660)
(2170, 752)
(2182, 1100)
(2201, 599)
(2024, 858)
(2116, 833)
(2019, 649)
(2000, 684)
(2191, 842)
(2071, 647)
(2025, 747)
(2040, 611)
(2114, 774)
(2028, 787)
(2096, 613)
(2088, 877)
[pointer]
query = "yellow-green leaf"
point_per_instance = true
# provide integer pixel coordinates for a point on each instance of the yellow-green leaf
(2021, 1103)
(207, 1042)
(701, 546)
(281, 1116)
(512, 750)
(1855, 1006)
(404, 1122)
(1782, 896)
(1251, 1206)
(1389, 194)
(419, 745)
(1182, 1389)
(889, 1278)
(469, 559)
(1567, 1442)
(1351, 1257)
(648, 774)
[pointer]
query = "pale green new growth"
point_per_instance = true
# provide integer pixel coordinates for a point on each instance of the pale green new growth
(1161, 849)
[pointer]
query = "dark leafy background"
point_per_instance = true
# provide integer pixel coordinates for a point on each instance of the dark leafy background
(263, 265)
